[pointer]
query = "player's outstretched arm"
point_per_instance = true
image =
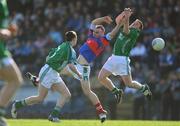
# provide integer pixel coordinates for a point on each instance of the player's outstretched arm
(105, 19)
(74, 70)
(119, 24)
(127, 12)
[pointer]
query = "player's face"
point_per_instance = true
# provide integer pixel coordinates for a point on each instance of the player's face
(136, 24)
(98, 32)
(74, 41)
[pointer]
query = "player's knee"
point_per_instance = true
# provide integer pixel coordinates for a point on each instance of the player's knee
(130, 85)
(40, 99)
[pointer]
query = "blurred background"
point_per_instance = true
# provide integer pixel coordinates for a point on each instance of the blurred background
(42, 24)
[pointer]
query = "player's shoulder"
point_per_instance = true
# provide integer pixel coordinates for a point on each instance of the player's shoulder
(65, 44)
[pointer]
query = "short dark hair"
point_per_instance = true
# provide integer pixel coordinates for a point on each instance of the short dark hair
(70, 35)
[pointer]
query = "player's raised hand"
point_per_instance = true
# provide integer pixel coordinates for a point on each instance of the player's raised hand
(128, 12)
(120, 18)
(108, 19)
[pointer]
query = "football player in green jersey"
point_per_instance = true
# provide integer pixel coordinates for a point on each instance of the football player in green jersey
(49, 78)
(118, 63)
(9, 71)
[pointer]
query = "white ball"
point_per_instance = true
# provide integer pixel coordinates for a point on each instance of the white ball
(158, 44)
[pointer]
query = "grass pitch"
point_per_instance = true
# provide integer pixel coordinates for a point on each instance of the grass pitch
(40, 122)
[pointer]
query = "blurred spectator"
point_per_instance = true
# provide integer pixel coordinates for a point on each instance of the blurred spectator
(43, 23)
(166, 61)
(138, 53)
(175, 88)
(166, 99)
(55, 35)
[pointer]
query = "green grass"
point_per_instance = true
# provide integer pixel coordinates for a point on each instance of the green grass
(40, 122)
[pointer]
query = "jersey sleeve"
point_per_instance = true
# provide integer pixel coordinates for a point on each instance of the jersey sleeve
(67, 52)
(108, 37)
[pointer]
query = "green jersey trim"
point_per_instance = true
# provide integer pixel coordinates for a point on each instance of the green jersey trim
(127, 66)
(44, 74)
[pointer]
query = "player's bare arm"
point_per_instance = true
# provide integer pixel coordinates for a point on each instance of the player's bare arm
(127, 12)
(119, 24)
(98, 21)
(74, 69)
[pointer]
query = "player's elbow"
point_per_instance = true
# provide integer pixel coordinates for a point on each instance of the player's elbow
(111, 36)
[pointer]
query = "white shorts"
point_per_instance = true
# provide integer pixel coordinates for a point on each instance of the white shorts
(48, 76)
(7, 61)
(118, 65)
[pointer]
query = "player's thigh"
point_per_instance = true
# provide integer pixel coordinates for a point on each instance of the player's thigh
(108, 67)
(11, 73)
(104, 73)
(61, 88)
(42, 91)
(127, 79)
(85, 85)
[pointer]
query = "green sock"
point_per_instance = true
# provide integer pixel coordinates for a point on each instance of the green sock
(20, 104)
(142, 88)
(2, 111)
(115, 90)
(56, 111)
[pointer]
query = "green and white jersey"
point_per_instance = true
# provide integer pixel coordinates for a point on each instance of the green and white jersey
(3, 24)
(59, 57)
(125, 42)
